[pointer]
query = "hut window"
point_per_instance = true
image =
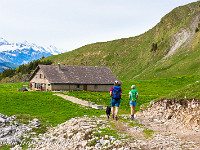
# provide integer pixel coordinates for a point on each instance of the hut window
(40, 76)
(48, 84)
(95, 86)
(77, 86)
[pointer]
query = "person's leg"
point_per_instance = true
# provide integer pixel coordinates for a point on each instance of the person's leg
(112, 107)
(132, 109)
(116, 112)
(117, 109)
(112, 110)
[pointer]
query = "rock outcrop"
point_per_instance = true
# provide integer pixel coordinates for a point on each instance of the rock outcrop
(12, 132)
(182, 114)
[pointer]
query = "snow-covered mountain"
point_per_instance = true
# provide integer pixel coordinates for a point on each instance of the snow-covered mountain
(22, 53)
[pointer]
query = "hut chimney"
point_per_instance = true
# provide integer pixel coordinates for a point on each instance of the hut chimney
(59, 68)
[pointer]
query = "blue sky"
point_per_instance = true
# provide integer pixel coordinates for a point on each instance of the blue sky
(70, 24)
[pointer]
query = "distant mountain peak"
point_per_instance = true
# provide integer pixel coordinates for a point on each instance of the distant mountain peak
(7, 46)
(3, 41)
(24, 52)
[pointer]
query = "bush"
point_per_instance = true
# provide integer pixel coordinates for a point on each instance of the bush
(154, 47)
(196, 30)
(24, 69)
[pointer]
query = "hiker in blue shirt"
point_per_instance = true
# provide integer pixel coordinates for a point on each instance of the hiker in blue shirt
(133, 95)
(115, 93)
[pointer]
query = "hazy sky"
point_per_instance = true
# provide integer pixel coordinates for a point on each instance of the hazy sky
(70, 24)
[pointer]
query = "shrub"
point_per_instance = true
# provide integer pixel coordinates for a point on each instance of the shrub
(196, 30)
(154, 47)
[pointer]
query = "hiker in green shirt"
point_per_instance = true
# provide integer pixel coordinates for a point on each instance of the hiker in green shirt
(133, 95)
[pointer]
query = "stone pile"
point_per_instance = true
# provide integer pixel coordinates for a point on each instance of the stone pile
(77, 133)
(183, 114)
(11, 132)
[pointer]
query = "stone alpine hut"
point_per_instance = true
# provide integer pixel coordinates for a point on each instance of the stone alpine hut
(68, 78)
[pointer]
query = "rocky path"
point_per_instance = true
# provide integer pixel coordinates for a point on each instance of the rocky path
(97, 133)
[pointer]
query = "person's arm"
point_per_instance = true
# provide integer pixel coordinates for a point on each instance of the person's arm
(110, 93)
(136, 94)
(129, 95)
(111, 90)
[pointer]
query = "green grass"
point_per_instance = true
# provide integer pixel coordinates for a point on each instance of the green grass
(43, 105)
(6, 147)
(148, 133)
(148, 90)
(191, 91)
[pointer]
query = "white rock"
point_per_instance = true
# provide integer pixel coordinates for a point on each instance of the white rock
(106, 136)
(2, 120)
(84, 143)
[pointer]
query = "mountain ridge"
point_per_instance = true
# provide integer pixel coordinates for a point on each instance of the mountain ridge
(153, 54)
(24, 52)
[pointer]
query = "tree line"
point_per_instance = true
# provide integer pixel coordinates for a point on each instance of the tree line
(24, 69)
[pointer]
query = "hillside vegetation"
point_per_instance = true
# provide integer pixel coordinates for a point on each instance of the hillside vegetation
(169, 49)
(7, 65)
(22, 73)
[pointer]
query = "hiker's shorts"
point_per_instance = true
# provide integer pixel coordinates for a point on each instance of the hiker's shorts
(133, 103)
(115, 102)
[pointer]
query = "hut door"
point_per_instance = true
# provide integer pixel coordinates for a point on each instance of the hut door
(85, 87)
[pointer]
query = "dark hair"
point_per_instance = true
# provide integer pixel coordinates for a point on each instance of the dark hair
(115, 84)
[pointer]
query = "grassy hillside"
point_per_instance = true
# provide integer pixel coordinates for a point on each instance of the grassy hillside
(135, 57)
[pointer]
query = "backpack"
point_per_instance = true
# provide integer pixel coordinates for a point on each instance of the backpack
(116, 92)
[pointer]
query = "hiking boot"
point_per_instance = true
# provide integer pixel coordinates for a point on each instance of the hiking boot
(116, 118)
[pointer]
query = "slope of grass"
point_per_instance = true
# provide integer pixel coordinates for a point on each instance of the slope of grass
(132, 56)
(189, 92)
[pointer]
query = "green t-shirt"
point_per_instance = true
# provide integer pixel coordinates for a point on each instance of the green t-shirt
(133, 93)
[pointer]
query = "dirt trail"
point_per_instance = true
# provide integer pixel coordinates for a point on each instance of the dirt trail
(162, 137)
(76, 100)
(73, 99)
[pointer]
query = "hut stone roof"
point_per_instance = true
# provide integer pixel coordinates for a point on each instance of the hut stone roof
(78, 74)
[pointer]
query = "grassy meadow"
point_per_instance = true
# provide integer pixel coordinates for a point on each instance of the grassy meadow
(148, 90)
(50, 109)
